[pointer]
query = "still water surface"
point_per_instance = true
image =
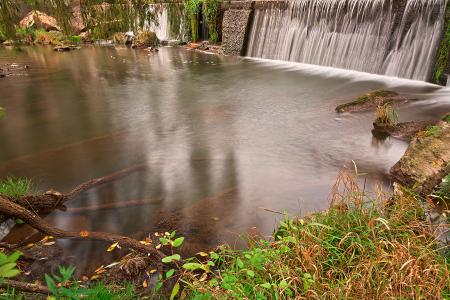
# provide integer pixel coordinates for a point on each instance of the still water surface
(220, 138)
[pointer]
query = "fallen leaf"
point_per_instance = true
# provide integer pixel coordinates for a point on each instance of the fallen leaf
(84, 233)
(202, 254)
(99, 269)
(145, 284)
(159, 246)
(49, 243)
(145, 243)
(112, 265)
(29, 245)
(113, 246)
(215, 218)
(203, 278)
(152, 271)
(93, 277)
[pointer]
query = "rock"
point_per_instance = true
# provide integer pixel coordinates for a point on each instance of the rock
(65, 48)
(145, 39)
(38, 19)
(151, 49)
(370, 101)
(426, 161)
(405, 131)
(121, 38)
(8, 43)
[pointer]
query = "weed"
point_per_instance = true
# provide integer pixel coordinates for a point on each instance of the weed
(8, 265)
(386, 114)
(48, 38)
(359, 249)
(446, 118)
(433, 131)
(15, 188)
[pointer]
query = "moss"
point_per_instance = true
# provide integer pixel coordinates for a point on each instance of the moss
(368, 98)
(433, 131)
(446, 118)
(443, 55)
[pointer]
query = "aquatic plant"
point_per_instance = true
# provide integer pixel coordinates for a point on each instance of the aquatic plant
(361, 248)
(211, 11)
(15, 187)
(386, 115)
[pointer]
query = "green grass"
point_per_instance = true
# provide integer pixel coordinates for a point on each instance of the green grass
(15, 188)
(433, 131)
(386, 114)
(446, 118)
(358, 249)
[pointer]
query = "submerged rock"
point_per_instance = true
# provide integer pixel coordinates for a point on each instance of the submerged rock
(370, 101)
(405, 130)
(426, 161)
(145, 39)
(37, 19)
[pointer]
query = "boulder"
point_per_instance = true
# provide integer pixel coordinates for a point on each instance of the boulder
(123, 38)
(403, 131)
(145, 39)
(38, 19)
(426, 161)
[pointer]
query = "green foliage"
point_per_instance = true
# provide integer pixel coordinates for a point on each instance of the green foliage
(386, 114)
(211, 11)
(443, 190)
(9, 10)
(433, 131)
(62, 286)
(15, 188)
(355, 250)
(446, 118)
(75, 39)
(442, 57)
(8, 265)
(25, 35)
(192, 8)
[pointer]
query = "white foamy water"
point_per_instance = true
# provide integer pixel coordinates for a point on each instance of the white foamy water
(351, 34)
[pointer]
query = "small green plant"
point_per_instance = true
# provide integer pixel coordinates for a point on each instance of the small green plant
(443, 190)
(8, 265)
(15, 188)
(25, 35)
(446, 118)
(75, 39)
(386, 114)
(433, 131)
(63, 286)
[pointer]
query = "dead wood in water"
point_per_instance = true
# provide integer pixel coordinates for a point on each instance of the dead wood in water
(24, 286)
(12, 209)
(114, 205)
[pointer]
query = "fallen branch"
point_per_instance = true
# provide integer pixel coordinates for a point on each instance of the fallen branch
(24, 286)
(53, 200)
(12, 209)
(113, 205)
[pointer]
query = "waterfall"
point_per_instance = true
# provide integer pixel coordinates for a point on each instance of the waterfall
(366, 35)
(170, 22)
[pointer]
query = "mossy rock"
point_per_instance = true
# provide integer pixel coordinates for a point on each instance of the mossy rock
(426, 161)
(145, 39)
(369, 101)
(403, 131)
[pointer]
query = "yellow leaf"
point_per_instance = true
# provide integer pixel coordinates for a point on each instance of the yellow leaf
(29, 245)
(93, 277)
(202, 254)
(152, 271)
(112, 247)
(145, 284)
(102, 267)
(84, 233)
(145, 243)
(203, 278)
(159, 246)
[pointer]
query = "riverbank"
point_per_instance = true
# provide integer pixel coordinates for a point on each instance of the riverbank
(365, 246)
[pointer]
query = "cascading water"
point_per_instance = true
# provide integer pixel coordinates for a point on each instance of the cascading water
(170, 22)
(361, 35)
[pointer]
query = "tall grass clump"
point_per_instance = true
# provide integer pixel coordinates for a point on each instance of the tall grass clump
(361, 248)
(386, 114)
(15, 187)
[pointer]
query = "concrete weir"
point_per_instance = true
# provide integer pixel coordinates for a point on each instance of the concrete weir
(401, 38)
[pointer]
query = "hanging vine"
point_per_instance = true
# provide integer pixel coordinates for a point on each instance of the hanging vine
(211, 11)
(192, 8)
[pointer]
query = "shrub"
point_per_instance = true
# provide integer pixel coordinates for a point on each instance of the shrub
(211, 11)
(192, 8)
